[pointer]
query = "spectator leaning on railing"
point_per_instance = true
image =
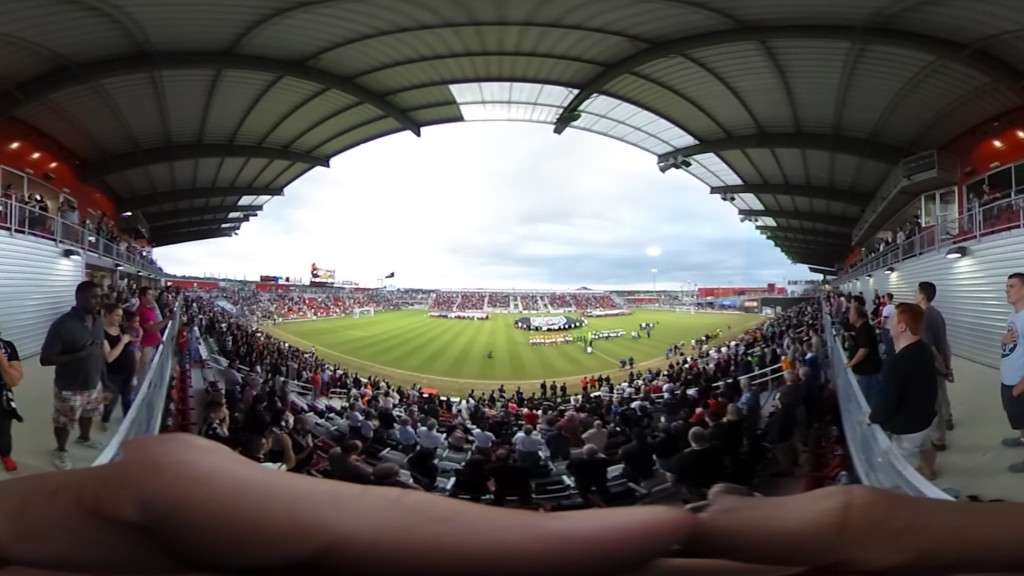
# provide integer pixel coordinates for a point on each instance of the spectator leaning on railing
(152, 326)
(906, 400)
(865, 362)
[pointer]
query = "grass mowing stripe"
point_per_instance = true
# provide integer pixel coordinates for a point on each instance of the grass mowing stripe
(407, 347)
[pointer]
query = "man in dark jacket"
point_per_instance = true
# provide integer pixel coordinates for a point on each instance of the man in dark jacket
(905, 405)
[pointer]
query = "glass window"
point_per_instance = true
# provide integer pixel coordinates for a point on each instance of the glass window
(1001, 181)
(1018, 180)
(928, 209)
(948, 216)
(16, 180)
(975, 191)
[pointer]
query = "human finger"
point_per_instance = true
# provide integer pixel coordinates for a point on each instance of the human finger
(857, 529)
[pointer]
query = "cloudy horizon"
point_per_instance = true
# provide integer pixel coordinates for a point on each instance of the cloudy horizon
(495, 205)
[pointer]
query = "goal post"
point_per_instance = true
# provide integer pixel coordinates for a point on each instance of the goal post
(360, 312)
(686, 309)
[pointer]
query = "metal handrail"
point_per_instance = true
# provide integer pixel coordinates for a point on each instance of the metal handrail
(17, 218)
(146, 416)
(877, 463)
(978, 222)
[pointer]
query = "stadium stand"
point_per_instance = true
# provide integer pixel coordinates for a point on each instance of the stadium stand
(644, 430)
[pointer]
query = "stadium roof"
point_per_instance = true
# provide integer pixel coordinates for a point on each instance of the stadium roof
(793, 110)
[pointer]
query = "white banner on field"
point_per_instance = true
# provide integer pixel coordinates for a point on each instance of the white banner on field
(602, 313)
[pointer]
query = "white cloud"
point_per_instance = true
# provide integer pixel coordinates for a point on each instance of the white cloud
(494, 205)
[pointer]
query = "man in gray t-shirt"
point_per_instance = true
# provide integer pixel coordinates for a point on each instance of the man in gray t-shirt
(934, 334)
(74, 347)
(1011, 366)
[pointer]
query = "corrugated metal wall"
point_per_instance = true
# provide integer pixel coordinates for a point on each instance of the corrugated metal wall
(971, 292)
(37, 284)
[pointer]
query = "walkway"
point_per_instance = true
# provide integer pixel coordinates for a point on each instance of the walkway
(975, 462)
(33, 440)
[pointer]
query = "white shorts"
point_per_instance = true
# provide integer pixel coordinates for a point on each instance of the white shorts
(910, 446)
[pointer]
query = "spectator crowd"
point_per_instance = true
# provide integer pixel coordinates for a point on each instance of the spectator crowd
(717, 411)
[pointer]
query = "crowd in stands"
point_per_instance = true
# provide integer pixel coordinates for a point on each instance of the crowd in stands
(533, 303)
(689, 424)
(445, 301)
(530, 302)
(471, 301)
(41, 216)
(502, 300)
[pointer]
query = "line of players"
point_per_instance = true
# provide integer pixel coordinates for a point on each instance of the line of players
(549, 340)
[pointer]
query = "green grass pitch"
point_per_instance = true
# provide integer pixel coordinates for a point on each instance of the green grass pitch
(451, 355)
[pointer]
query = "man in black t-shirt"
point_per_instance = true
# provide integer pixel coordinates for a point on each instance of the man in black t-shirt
(10, 376)
(866, 362)
(905, 404)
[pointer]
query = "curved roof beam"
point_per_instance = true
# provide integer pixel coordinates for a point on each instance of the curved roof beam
(171, 228)
(810, 260)
(21, 96)
(193, 236)
(822, 219)
(160, 218)
(780, 232)
(100, 169)
(797, 141)
(793, 191)
(168, 197)
(807, 245)
(980, 61)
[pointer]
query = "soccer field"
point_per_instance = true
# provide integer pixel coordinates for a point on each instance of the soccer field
(451, 355)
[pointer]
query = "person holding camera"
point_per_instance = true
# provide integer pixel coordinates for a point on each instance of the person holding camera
(74, 346)
(257, 449)
(11, 375)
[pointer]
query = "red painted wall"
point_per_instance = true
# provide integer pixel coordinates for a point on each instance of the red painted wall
(732, 291)
(194, 284)
(54, 159)
(270, 287)
(999, 139)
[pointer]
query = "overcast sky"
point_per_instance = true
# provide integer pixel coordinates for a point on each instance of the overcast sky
(495, 205)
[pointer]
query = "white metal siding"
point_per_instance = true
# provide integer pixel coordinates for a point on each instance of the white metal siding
(37, 284)
(971, 292)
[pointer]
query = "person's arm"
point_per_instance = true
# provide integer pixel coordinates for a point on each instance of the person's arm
(861, 354)
(51, 354)
(885, 404)
(111, 354)
(289, 453)
(157, 326)
(10, 367)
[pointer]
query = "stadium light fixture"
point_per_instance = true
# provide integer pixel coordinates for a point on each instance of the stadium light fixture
(956, 252)
(653, 251)
(890, 270)
(72, 254)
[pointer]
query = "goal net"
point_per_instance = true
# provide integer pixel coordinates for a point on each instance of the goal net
(686, 310)
(360, 312)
